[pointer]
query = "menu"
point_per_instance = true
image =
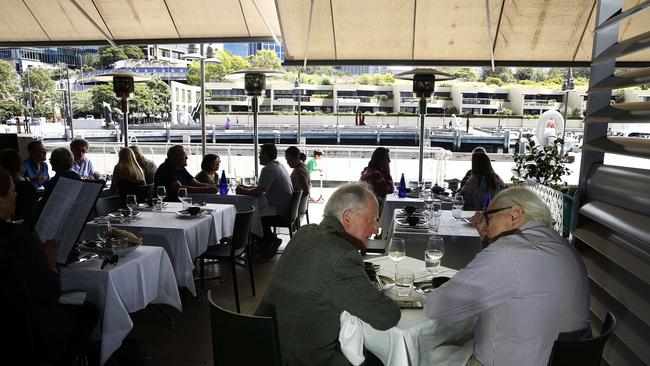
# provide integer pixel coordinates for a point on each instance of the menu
(66, 211)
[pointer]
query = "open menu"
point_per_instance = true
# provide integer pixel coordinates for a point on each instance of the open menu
(66, 211)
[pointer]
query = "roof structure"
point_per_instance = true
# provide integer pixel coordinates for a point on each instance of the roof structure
(408, 32)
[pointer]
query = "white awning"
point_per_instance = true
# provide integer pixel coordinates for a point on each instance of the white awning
(408, 32)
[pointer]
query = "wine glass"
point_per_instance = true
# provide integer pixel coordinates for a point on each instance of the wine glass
(428, 201)
(233, 185)
(433, 254)
(396, 250)
(436, 208)
(161, 192)
(457, 207)
(104, 230)
(131, 202)
(182, 196)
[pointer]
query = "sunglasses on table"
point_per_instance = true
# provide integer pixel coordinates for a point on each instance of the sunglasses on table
(487, 213)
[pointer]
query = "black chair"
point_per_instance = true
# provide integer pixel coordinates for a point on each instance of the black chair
(303, 210)
(106, 205)
(233, 335)
(579, 348)
(290, 224)
(142, 191)
(232, 250)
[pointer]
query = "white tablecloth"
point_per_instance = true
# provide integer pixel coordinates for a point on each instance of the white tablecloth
(184, 238)
(142, 277)
(461, 239)
(393, 202)
(241, 202)
(417, 340)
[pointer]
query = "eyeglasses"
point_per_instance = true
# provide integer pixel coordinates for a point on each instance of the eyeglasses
(487, 213)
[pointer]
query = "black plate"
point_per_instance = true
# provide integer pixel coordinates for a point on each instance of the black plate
(430, 285)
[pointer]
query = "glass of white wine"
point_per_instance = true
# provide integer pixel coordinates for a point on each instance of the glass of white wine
(433, 254)
(396, 250)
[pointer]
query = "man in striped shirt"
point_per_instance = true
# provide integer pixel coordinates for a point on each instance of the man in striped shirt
(527, 286)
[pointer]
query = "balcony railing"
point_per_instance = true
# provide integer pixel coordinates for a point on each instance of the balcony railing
(481, 101)
(227, 98)
(540, 103)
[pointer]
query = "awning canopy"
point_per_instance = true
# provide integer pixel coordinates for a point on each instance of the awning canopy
(405, 32)
(77, 22)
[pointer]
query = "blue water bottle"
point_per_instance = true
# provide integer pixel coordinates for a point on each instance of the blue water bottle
(488, 199)
(223, 184)
(401, 190)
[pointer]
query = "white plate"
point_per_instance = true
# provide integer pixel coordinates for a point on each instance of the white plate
(117, 215)
(184, 213)
(420, 224)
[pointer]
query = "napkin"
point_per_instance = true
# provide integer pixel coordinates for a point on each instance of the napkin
(351, 338)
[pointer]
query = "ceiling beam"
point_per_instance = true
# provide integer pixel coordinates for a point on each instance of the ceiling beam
(515, 63)
(143, 41)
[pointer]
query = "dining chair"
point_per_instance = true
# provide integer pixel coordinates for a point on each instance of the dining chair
(232, 250)
(143, 192)
(106, 205)
(579, 348)
(303, 210)
(234, 334)
(290, 224)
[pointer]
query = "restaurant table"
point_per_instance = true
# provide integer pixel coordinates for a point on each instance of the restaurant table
(184, 238)
(416, 339)
(144, 276)
(393, 202)
(241, 202)
(461, 239)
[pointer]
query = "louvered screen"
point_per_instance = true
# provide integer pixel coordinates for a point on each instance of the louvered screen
(613, 216)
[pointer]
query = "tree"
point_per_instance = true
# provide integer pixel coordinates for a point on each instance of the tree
(10, 108)
(82, 103)
(493, 80)
(525, 73)
(503, 73)
(216, 72)
(466, 73)
(133, 52)
(161, 95)
(37, 83)
(109, 55)
(267, 59)
(103, 93)
(9, 80)
(504, 112)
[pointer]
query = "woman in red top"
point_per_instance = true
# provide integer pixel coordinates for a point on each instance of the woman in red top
(377, 173)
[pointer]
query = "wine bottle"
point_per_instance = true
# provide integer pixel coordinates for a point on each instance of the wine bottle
(401, 191)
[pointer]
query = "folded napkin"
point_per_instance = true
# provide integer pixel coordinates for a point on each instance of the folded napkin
(351, 338)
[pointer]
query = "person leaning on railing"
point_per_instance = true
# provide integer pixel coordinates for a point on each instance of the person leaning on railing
(527, 286)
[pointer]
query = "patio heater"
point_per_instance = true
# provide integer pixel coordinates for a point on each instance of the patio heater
(194, 55)
(255, 86)
(567, 86)
(424, 80)
(123, 86)
(298, 90)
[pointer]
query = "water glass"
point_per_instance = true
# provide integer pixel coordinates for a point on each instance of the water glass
(126, 215)
(118, 244)
(436, 208)
(187, 202)
(131, 201)
(457, 207)
(428, 201)
(434, 223)
(104, 230)
(404, 279)
(434, 253)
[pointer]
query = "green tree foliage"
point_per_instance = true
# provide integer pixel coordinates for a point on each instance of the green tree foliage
(143, 101)
(161, 95)
(133, 52)
(466, 74)
(376, 79)
(9, 80)
(216, 72)
(504, 112)
(525, 73)
(10, 108)
(494, 80)
(41, 85)
(503, 73)
(109, 55)
(451, 110)
(103, 93)
(545, 164)
(82, 103)
(267, 59)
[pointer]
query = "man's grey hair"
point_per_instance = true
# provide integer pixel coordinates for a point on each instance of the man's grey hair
(175, 151)
(534, 208)
(61, 159)
(348, 197)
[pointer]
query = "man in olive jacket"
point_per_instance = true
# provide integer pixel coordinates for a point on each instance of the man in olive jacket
(321, 274)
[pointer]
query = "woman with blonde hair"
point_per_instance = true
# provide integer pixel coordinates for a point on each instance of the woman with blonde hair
(127, 172)
(148, 167)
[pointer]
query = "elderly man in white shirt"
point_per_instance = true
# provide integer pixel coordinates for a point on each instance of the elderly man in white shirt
(527, 286)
